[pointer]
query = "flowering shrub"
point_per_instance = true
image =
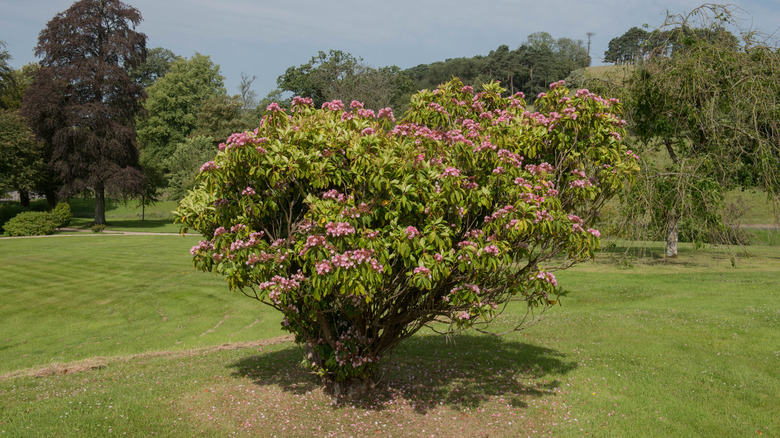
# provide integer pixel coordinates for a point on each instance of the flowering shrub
(361, 230)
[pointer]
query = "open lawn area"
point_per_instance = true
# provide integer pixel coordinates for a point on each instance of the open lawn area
(687, 347)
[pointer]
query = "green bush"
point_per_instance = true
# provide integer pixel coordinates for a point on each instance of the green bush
(8, 210)
(62, 214)
(361, 230)
(31, 223)
(98, 228)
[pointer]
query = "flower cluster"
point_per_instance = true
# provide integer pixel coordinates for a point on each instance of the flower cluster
(337, 229)
(422, 270)
(202, 246)
(335, 105)
(302, 101)
(547, 277)
(349, 260)
(335, 195)
(209, 165)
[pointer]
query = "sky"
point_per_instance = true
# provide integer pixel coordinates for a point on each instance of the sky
(263, 38)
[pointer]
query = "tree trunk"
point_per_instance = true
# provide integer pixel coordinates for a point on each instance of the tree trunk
(24, 198)
(51, 197)
(671, 234)
(100, 205)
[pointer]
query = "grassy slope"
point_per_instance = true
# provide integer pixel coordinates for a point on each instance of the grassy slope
(681, 348)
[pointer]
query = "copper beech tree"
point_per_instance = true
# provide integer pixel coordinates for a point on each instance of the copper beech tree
(361, 230)
(82, 102)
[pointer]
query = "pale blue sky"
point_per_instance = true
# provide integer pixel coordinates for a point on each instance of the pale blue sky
(263, 38)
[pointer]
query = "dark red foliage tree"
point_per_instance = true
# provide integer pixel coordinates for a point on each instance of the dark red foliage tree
(82, 101)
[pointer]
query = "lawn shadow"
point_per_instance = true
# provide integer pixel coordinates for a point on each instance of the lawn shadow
(427, 372)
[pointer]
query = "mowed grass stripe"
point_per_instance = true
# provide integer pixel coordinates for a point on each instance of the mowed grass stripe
(72, 298)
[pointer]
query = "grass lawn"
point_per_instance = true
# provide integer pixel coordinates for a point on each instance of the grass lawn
(157, 218)
(687, 347)
(67, 298)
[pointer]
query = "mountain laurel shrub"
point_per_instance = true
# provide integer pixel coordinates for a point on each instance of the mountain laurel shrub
(361, 230)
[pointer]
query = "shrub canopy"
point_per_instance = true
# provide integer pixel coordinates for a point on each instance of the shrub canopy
(361, 230)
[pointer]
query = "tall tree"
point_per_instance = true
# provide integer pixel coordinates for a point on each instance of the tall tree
(629, 47)
(705, 111)
(247, 95)
(173, 104)
(22, 164)
(339, 75)
(82, 101)
(6, 74)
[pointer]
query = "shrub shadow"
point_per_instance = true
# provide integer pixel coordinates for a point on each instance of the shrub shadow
(430, 371)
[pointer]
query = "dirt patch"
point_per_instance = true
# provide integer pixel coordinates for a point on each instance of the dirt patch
(102, 362)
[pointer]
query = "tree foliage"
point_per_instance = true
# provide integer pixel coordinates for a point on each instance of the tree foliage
(82, 102)
(340, 75)
(361, 231)
(628, 48)
(705, 106)
(7, 77)
(185, 163)
(541, 60)
(158, 64)
(22, 156)
(174, 102)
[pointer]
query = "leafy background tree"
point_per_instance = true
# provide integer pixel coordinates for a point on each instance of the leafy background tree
(628, 48)
(185, 163)
(173, 103)
(22, 159)
(702, 108)
(540, 60)
(158, 63)
(82, 101)
(340, 75)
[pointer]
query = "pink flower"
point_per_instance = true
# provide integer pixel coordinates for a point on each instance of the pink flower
(463, 315)
(336, 229)
(547, 277)
(422, 270)
(367, 131)
(302, 101)
(273, 107)
(492, 250)
(412, 232)
(596, 233)
(438, 258)
(324, 267)
(386, 113)
(209, 165)
(335, 105)
(249, 191)
(219, 231)
(450, 171)
(356, 104)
